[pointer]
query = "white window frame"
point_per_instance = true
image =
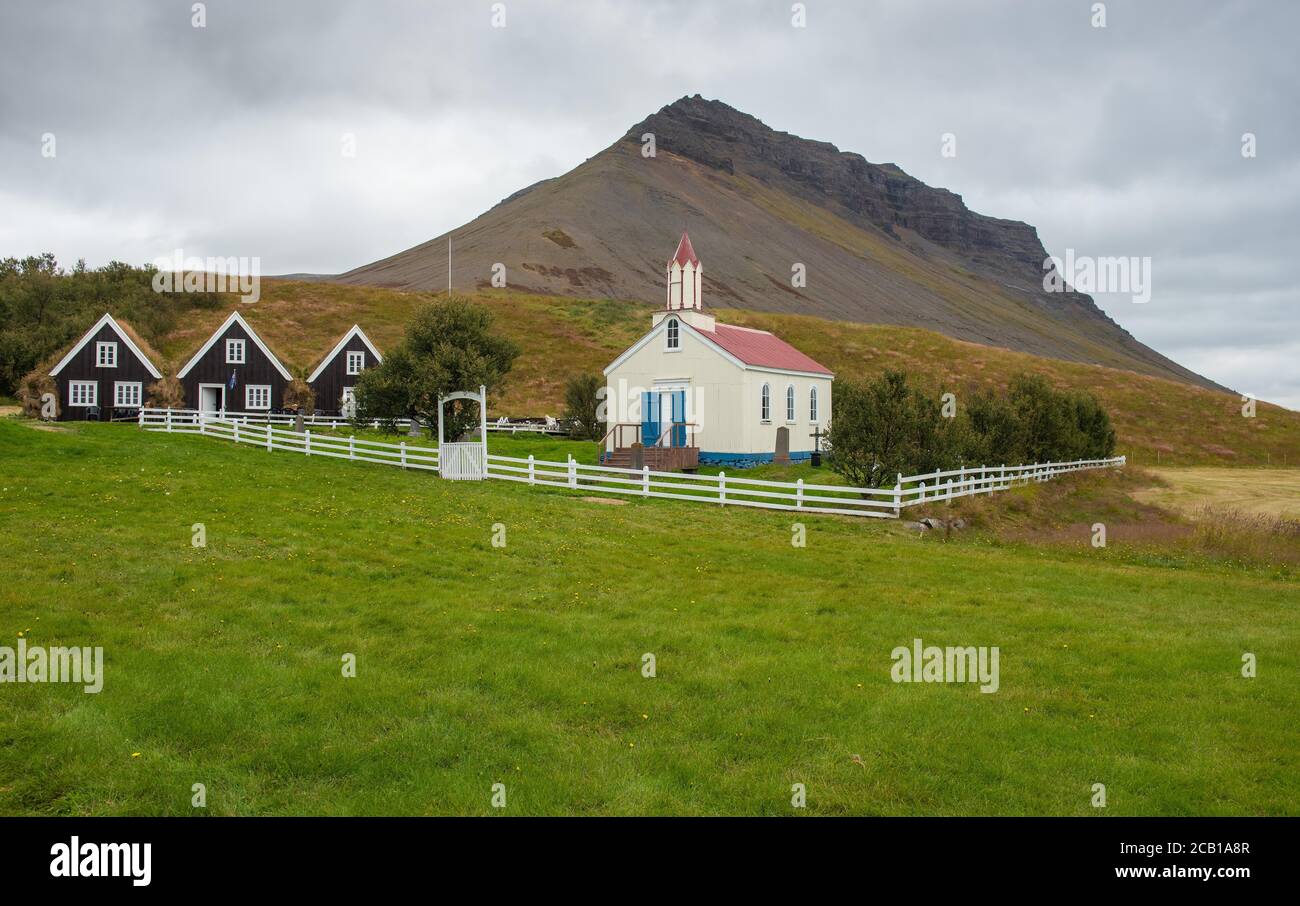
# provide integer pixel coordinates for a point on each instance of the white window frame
(765, 404)
(138, 394)
(360, 361)
(109, 360)
(91, 398)
(248, 397)
(791, 405)
(812, 405)
(673, 336)
(242, 346)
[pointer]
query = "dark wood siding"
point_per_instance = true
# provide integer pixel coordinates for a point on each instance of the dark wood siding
(212, 369)
(329, 384)
(83, 367)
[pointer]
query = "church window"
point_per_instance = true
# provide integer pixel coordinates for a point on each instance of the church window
(789, 402)
(767, 403)
(674, 335)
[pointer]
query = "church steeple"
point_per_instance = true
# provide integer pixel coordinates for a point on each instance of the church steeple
(685, 278)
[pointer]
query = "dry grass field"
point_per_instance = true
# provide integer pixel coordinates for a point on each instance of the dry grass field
(1272, 493)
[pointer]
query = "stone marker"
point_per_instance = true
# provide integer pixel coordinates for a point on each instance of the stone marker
(782, 446)
(299, 423)
(638, 456)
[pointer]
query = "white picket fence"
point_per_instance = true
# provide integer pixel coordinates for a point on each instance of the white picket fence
(466, 462)
(190, 417)
(731, 490)
(270, 438)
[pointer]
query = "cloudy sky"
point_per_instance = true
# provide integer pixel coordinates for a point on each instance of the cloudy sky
(226, 139)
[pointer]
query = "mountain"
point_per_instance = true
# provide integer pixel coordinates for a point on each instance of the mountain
(878, 246)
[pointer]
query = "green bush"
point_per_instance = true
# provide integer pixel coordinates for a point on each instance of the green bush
(582, 398)
(888, 426)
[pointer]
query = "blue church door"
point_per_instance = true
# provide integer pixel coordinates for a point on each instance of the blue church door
(659, 409)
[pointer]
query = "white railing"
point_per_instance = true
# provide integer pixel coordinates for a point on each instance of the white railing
(525, 428)
(720, 489)
(799, 495)
(153, 417)
(270, 438)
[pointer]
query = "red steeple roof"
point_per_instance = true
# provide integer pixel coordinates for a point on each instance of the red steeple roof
(684, 252)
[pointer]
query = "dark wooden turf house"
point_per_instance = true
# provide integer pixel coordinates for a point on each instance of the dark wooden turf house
(234, 371)
(106, 374)
(333, 379)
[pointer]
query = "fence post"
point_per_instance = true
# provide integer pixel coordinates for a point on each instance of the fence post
(645, 481)
(236, 425)
(532, 473)
(352, 447)
(961, 485)
(268, 437)
(922, 490)
(169, 421)
(140, 417)
(949, 497)
(898, 496)
(1002, 477)
(306, 446)
(403, 454)
(573, 471)
(798, 494)
(722, 488)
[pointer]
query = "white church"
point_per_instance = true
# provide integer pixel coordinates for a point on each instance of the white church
(693, 390)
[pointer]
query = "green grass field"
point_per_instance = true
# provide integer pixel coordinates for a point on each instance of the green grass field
(522, 665)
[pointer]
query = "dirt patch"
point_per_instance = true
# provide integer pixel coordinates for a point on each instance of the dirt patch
(607, 501)
(46, 426)
(10, 410)
(561, 238)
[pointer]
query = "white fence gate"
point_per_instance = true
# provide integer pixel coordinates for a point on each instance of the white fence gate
(462, 462)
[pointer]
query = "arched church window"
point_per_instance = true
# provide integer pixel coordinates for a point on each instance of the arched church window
(812, 405)
(674, 336)
(767, 403)
(789, 402)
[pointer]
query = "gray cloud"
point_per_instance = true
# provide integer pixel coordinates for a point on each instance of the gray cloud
(225, 140)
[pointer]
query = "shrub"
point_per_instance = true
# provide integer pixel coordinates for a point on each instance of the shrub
(582, 399)
(888, 426)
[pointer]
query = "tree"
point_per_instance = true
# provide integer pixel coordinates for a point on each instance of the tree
(449, 346)
(885, 427)
(582, 398)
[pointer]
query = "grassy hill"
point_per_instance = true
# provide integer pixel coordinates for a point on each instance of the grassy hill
(521, 665)
(1156, 419)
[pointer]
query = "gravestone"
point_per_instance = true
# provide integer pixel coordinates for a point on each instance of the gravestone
(782, 445)
(299, 423)
(415, 430)
(638, 456)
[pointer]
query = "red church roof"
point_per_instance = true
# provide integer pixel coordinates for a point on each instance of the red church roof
(685, 253)
(762, 349)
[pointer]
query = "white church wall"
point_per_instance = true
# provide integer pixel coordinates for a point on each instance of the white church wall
(760, 435)
(715, 388)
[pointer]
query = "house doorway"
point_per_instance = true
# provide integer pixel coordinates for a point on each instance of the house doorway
(212, 397)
